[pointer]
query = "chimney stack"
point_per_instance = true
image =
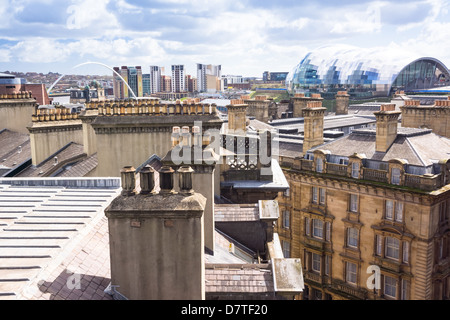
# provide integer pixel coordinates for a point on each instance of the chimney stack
(313, 116)
(387, 123)
(237, 120)
(342, 102)
(157, 239)
(300, 101)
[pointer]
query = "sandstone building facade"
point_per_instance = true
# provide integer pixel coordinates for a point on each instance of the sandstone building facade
(369, 214)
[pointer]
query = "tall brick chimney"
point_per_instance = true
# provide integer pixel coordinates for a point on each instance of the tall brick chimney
(300, 101)
(387, 123)
(313, 116)
(156, 239)
(237, 120)
(342, 101)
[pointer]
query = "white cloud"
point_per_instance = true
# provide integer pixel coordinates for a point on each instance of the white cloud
(356, 21)
(5, 55)
(40, 50)
(89, 14)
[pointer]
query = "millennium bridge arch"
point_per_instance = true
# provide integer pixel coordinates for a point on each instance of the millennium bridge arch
(100, 64)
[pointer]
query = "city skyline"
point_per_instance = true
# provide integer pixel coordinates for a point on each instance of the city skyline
(245, 37)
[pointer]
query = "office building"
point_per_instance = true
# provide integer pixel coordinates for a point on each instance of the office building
(155, 79)
(146, 84)
(207, 75)
(178, 78)
(133, 77)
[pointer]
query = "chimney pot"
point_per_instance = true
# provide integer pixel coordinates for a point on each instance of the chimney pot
(128, 181)
(175, 136)
(147, 179)
(197, 136)
(185, 180)
(166, 178)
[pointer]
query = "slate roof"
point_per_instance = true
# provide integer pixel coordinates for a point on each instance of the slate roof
(418, 146)
(70, 153)
(81, 168)
(236, 212)
(15, 149)
(239, 278)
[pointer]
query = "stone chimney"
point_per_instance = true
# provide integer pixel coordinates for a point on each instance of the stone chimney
(387, 123)
(300, 101)
(237, 120)
(156, 239)
(313, 115)
(342, 102)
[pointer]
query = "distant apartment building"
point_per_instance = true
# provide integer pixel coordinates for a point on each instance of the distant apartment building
(235, 82)
(155, 79)
(133, 77)
(207, 76)
(178, 78)
(166, 83)
(146, 91)
(191, 84)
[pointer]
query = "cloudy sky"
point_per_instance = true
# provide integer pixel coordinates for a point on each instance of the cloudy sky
(246, 37)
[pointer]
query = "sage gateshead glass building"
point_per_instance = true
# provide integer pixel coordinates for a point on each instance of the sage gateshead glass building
(365, 73)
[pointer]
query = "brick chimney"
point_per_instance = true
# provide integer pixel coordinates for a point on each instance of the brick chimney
(237, 120)
(342, 102)
(313, 115)
(387, 123)
(156, 239)
(300, 101)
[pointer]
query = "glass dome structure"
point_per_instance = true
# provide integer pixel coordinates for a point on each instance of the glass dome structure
(364, 72)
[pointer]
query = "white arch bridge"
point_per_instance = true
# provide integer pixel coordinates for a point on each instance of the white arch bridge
(100, 64)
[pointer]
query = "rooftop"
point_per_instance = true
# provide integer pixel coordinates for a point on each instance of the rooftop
(55, 245)
(420, 147)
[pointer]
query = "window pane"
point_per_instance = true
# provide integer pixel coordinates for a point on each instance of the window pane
(352, 237)
(314, 194)
(317, 228)
(355, 170)
(405, 289)
(350, 272)
(328, 231)
(399, 211)
(395, 176)
(405, 251)
(321, 195)
(353, 203)
(307, 226)
(379, 243)
(389, 209)
(390, 286)
(286, 218)
(319, 165)
(316, 262)
(392, 247)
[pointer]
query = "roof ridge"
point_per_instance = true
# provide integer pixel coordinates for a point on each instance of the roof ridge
(414, 150)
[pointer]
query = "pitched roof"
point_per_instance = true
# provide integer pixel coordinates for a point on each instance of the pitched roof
(71, 153)
(15, 149)
(81, 168)
(419, 147)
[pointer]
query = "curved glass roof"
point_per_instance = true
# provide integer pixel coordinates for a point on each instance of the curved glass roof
(360, 70)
